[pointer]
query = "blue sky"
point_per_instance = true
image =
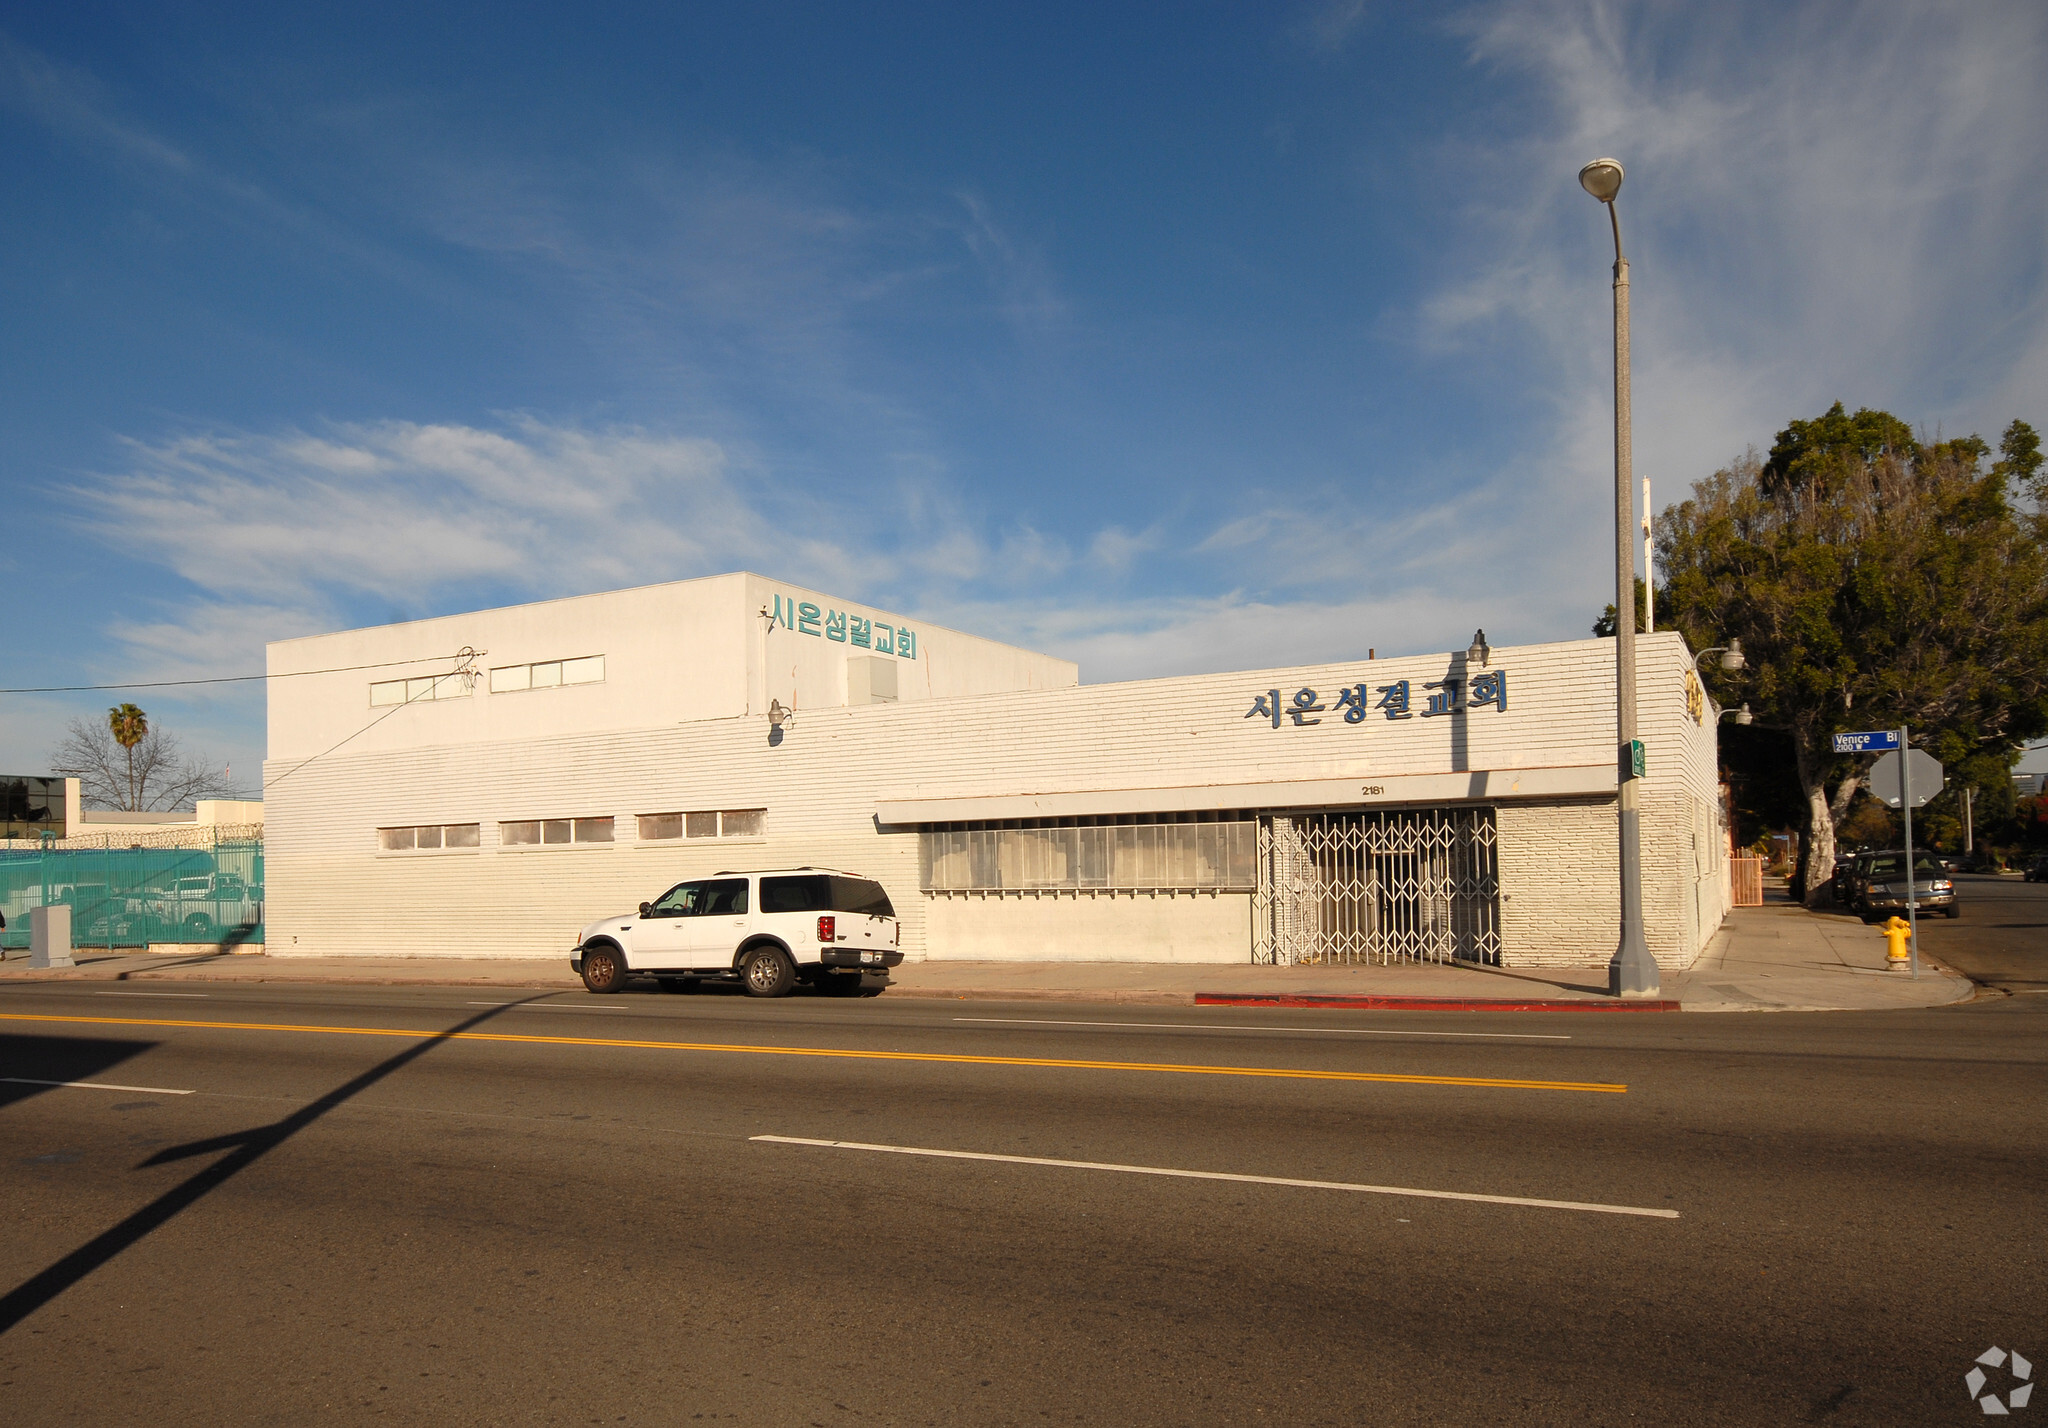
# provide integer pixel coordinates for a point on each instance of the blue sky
(1166, 338)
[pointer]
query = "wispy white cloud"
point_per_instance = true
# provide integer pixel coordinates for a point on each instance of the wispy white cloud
(1327, 26)
(293, 522)
(1029, 296)
(1828, 200)
(72, 101)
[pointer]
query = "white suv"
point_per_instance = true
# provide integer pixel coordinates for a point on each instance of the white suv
(769, 930)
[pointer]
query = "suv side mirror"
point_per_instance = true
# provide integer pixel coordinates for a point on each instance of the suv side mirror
(645, 907)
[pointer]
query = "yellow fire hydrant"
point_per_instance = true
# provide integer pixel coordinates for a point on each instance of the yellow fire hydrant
(1897, 933)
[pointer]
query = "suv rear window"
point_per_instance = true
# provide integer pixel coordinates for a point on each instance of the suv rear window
(824, 892)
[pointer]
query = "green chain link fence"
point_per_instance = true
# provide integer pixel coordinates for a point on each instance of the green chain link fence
(131, 897)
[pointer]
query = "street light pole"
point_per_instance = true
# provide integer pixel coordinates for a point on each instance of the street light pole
(1632, 972)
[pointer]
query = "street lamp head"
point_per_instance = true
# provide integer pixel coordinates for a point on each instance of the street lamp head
(1732, 658)
(1602, 179)
(1744, 717)
(1478, 652)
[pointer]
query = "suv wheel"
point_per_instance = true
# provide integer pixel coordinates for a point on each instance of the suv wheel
(766, 973)
(604, 970)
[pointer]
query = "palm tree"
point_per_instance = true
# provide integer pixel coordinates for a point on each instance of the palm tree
(131, 727)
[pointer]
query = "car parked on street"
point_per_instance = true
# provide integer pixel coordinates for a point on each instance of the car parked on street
(1882, 888)
(1847, 883)
(2037, 871)
(770, 931)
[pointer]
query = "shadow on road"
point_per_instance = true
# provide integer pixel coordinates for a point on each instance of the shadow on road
(31, 1065)
(245, 1147)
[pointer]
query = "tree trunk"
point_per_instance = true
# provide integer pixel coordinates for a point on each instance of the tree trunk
(1819, 867)
(1845, 794)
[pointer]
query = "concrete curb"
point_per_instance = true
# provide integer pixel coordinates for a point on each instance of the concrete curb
(1389, 1003)
(1063, 994)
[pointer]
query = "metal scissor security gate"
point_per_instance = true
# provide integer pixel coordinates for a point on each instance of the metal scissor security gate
(1412, 886)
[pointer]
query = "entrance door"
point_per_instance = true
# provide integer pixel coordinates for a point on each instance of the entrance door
(1407, 885)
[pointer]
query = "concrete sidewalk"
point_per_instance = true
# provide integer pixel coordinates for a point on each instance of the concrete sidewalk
(1779, 957)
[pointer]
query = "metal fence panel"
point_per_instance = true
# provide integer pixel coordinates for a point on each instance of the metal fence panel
(131, 897)
(1397, 886)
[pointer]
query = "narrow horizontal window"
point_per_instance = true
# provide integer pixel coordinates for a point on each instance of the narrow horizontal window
(427, 836)
(547, 674)
(707, 823)
(515, 835)
(556, 830)
(593, 830)
(414, 691)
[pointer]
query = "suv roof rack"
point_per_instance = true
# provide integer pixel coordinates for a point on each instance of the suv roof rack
(801, 868)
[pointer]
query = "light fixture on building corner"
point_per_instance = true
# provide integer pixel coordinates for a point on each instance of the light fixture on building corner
(1479, 651)
(779, 717)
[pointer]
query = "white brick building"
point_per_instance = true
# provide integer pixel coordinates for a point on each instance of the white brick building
(609, 746)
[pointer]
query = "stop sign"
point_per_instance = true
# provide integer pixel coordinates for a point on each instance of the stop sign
(1885, 779)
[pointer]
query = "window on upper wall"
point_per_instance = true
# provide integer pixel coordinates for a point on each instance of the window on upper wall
(413, 691)
(426, 837)
(714, 823)
(547, 674)
(544, 832)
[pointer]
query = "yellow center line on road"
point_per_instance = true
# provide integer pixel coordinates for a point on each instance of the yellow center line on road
(846, 1053)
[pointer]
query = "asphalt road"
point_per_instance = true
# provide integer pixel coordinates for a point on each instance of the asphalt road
(2001, 939)
(579, 1223)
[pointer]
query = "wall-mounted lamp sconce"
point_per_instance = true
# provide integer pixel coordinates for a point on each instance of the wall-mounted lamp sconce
(778, 717)
(1741, 716)
(1479, 651)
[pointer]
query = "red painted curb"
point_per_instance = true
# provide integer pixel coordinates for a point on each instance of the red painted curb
(1256, 999)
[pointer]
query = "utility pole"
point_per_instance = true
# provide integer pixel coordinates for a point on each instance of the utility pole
(1632, 972)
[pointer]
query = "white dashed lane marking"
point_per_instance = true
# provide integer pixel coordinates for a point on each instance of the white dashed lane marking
(96, 1086)
(1590, 1207)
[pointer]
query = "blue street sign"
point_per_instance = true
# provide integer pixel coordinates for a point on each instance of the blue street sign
(1868, 743)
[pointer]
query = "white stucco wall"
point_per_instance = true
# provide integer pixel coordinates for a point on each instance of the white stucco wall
(1546, 763)
(686, 652)
(1049, 927)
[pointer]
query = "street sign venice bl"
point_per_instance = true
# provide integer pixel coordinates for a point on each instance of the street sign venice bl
(1867, 743)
